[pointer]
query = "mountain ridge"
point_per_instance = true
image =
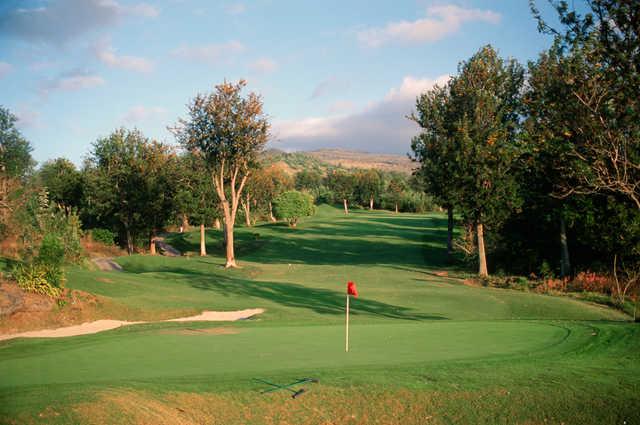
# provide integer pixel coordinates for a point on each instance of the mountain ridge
(322, 159)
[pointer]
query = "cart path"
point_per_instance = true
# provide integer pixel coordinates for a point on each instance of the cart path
(107, 264)
(105, 325)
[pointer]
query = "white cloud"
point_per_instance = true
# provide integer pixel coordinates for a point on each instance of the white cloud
(105, 53)
(210, 53)
(440, 21)
(5, 68)
(235, 8)
(264, 66)
(330, 85)
(63, 20)
(141, 113)
(381, 126)
(72, 81)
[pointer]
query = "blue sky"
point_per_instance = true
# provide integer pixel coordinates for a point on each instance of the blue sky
(331, 73)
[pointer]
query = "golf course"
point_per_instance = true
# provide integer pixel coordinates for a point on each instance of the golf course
(426, 347)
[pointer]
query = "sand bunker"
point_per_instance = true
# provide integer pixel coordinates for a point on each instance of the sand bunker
(105, 325)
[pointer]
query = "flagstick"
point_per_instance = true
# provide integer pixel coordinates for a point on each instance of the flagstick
(346, 347)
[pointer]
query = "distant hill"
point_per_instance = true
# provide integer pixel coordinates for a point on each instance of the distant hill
(355, 159)
(323, 159)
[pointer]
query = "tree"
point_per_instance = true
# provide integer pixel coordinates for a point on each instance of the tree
(310, 180)
(63, 182)
(368, 186)
(485, 100)
(265, 185)
(196, 198)
(435, 149)
(292, 205)
(15, 162)
(601, 51)
(342, 184)
(132, 184)
(227, 131)
(15, 150)
(395, 190)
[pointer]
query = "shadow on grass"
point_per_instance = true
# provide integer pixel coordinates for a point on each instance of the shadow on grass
(376, 240)
(324, 301)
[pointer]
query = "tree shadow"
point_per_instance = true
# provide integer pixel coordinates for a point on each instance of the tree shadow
(368, 239)
(319, 300)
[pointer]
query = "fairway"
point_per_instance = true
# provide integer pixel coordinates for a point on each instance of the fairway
(453, 353)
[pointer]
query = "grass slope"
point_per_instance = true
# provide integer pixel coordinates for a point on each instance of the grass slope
(424, 349)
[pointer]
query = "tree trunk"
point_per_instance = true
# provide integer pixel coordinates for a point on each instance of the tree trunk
(203, 246)
(346, 207)
(396, 208)
(129, 242)
(229, 210)
(231, 258)
(565, 264)
(371, 203)
(152, 243)
(185, 223)
(482, 257)
(224, 237)
(228, 235)
(217, 224)
(449, 233)
(271, 217)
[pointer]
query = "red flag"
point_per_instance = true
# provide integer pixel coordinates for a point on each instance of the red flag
(351, 289)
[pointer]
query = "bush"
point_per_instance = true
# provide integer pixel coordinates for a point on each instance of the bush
(51, 252)
(292, 205)
(39, 217)
(104, 236)
(39, 278)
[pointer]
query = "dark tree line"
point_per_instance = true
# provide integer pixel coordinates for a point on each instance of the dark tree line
(542, 164)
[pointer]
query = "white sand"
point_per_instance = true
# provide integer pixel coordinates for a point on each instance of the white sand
(105, 325)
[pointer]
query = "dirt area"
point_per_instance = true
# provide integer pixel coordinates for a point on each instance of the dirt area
(23, 311)
(105, 325)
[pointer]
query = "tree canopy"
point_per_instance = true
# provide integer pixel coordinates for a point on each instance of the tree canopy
(228, 131)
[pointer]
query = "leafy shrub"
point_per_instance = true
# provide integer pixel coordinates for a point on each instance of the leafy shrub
(292, 205)
(39, 278)
(592, 282)
(51, 252)
(40, 217)
(104, 236)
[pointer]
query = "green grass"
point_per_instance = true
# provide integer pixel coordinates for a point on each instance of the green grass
(454, 353)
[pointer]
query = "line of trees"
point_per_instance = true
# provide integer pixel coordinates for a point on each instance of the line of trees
(542, 164)
(366, 188)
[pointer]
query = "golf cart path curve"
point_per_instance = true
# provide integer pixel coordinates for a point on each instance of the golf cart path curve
(105, 325)
(107, 264)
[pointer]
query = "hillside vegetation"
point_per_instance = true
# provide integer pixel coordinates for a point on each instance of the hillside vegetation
(323, 159)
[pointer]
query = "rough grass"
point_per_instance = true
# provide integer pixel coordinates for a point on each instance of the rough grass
(425, 348)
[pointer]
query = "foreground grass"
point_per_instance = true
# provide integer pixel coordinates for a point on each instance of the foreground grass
(425, 349)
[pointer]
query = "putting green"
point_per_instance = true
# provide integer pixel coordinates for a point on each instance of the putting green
(152, 352)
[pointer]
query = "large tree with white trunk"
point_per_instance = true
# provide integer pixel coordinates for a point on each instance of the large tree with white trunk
(227, 130)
